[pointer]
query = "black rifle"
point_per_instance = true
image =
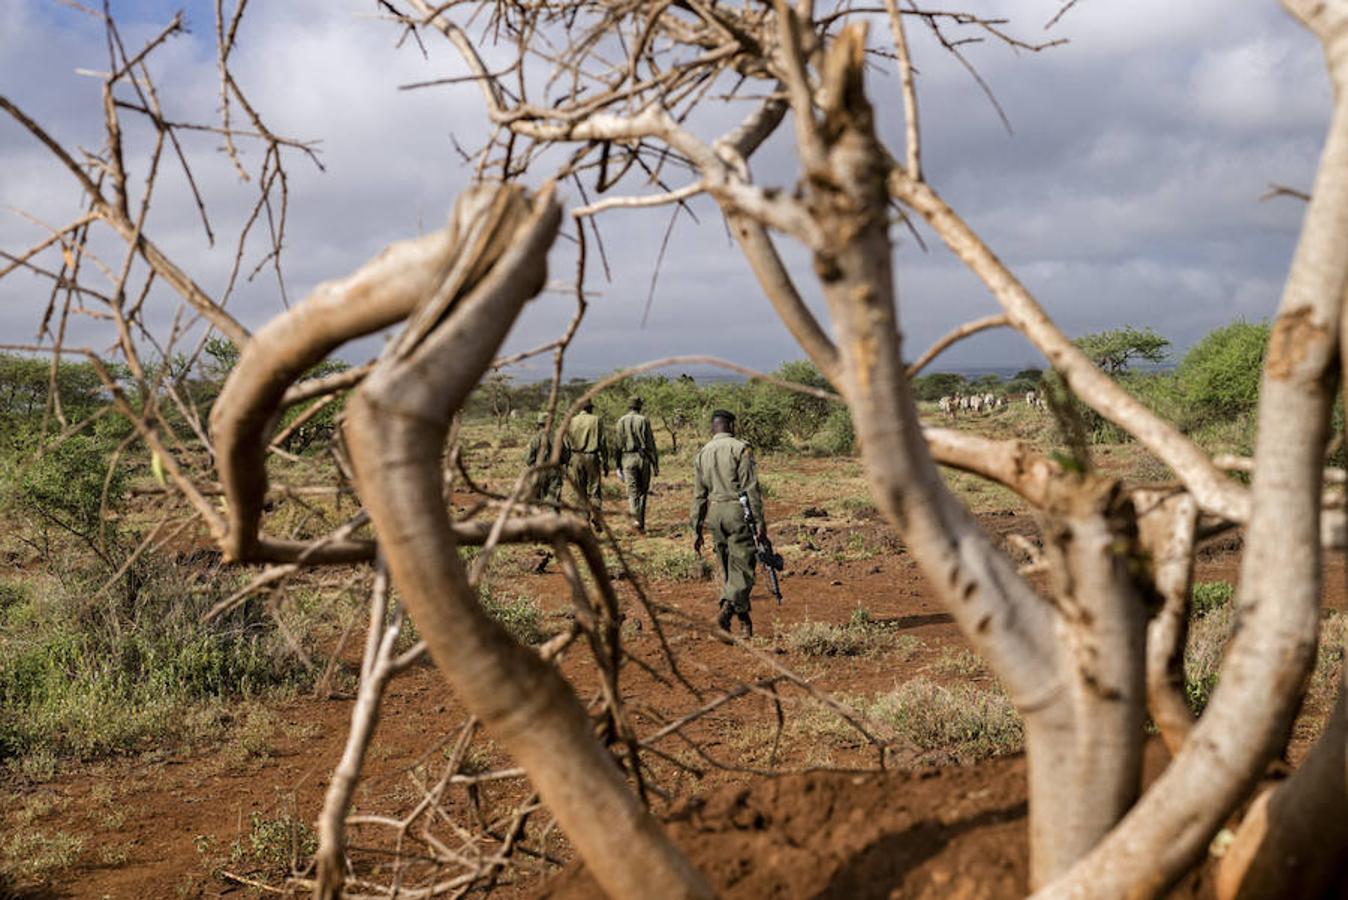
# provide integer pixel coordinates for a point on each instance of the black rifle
(771, 560)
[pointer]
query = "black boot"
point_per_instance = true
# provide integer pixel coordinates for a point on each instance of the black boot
(748, 624)
(723, 620)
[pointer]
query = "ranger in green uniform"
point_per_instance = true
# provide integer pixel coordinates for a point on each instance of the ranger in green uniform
(585, 443)
(547, 485)
(721, 470)
(638, 460)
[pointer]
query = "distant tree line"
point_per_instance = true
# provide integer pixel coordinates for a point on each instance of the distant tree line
(769, 417)
(1212, 391)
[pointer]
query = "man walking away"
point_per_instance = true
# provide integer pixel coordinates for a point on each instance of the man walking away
(638, 460)
(721, 470)
(588, 450)
(547, 485)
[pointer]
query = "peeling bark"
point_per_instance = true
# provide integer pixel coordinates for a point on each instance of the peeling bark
(1292, 841)
(1167, 526)
(396, 428)
(1248, 719)
(1092, 544)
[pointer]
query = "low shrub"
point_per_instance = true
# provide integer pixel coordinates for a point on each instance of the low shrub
(859, 637)
(1203, 653)
(29, 856)
(1208, 596)
(670, 561)
(825, 639)
(963, 722)
(959, 724)
(954, 663)
(837, 435)
(279, 844)
(83, 675)
(521, 616)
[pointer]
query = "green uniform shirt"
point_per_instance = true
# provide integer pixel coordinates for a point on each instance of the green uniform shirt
(721, 470)
(635, 436)
(547, 485)
(585, 434)
(540, 449)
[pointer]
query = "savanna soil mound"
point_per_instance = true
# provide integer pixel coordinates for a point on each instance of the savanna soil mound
(956, 833)
(949, 833)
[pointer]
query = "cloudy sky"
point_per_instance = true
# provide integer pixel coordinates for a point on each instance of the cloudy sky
(1127, 192)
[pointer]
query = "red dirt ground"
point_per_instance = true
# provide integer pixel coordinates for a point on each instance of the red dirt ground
(957, 832)
(953, 832)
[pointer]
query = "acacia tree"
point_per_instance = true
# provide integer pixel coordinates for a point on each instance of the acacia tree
(1116, 349)
(1085, 661)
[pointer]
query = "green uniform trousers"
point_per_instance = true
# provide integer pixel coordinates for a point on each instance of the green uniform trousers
(585, 469)
(735, 549)
(636, 470)
(548, 487)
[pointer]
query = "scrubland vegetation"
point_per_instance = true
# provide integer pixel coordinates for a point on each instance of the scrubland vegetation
(107, 651)
(104, 648)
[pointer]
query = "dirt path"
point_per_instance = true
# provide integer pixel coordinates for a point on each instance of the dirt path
(157, 825)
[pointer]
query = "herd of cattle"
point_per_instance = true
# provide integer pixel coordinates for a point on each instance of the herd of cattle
(954, 404)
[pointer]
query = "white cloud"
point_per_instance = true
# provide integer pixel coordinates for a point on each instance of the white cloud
(1259, 84)
(1127, 193)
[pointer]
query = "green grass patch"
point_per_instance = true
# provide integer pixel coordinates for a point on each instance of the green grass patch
(29, 856)
(1208, 596)
(1208, 636)
(84, 675)
(521, 616)
(673, 561)
(860, 505)
(943, 724)
(861, 636)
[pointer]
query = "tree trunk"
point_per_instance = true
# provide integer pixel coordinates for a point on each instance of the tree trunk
(1292, 842)
(1278, 599)
(998, 611)
(1166, 525)
(396, 428)
(1092, 543)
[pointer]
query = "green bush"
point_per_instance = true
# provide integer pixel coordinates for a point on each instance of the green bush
(930, 388)
(763, 412)
(1159, 391)
(1209, 596)
(1219, 377)
(83, 675)
(63, 486)
(808, 413)
(837, 436)
(964, 722)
